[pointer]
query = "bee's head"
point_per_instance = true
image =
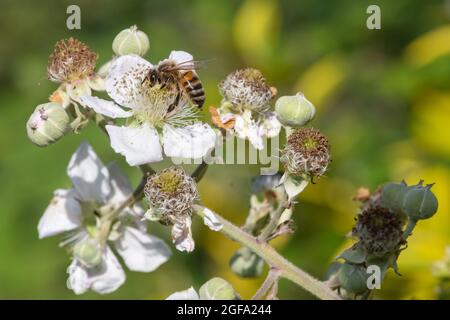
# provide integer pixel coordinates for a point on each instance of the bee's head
(152, 77)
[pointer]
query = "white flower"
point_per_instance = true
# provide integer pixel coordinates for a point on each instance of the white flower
(153, 122)
(171, 196)
(98, 189)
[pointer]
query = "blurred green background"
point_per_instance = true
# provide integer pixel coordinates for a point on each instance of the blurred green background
(382, 97)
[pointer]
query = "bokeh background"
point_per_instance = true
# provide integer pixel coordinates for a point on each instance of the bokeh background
(382, 97)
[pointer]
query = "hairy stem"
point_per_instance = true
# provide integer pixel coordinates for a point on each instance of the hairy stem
(270, 281)
(273, 224)
(275, 260)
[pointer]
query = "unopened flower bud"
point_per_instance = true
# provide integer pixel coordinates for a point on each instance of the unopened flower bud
(48, 123)
(392, 196)
(217, 289)
(306, 154)
(131, 41)
(88, 252)
(353, 278)
(245, 263)
(419, 202)
(294, 111)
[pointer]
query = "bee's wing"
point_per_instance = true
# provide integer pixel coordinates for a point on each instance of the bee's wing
(191, 65)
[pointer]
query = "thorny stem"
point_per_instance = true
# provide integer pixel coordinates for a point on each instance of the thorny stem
(268, 284)
(275, 260)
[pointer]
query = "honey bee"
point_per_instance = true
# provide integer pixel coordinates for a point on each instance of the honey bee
(182, 76)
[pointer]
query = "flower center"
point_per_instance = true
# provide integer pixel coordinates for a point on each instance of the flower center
(168, 181)
(310, 144)
(155, 104)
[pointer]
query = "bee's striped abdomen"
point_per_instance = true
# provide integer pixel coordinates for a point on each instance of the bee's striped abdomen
(193, 87)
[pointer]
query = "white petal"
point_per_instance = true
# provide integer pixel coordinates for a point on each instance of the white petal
(105, 107)
(271, 125)
(182, 235)
(181, 57)
(246, 128)
(62, 214)
(89, 177)
(210, 219)
(293, 186)
(188, 294)
(141, 251)
(193, 141)
(97, 82)
(138, 145)
(120, 184)
(78, 280)
(255, 136)
(124, 80)
(104, 278)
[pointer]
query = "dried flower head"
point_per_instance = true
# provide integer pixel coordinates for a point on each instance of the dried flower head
(172, 194)
(71, 60)
(379, 230)
(307, 153)
(247, 88)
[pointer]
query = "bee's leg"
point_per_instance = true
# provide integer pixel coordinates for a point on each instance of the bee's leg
(174, 104)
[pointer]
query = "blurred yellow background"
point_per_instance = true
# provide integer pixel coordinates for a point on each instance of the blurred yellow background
(382, 97)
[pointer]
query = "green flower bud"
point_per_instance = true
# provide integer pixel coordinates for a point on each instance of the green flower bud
(294, 111)
(88, 252)
(356, 254)
(353, 278)
(48, 123)
(419, 202)
(131, 41)
(217, 289)
(392, 196)
(245, 263)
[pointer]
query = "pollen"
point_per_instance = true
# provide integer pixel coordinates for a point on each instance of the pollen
(71, 60)
(168, 181)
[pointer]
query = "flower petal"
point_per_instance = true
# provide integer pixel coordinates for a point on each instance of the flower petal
(210, 219)
(62, 214)
(141, 251)
(271, 125)
(105, 107)
(138, 145)
(193, 141)
(120, 184)
(188, 294)
(182, 235)
(89, 177)
(181, 57)
(104, 278)
(124, 80)
(246, 128)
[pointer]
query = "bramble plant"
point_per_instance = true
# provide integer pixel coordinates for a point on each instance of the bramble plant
(149, 118)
